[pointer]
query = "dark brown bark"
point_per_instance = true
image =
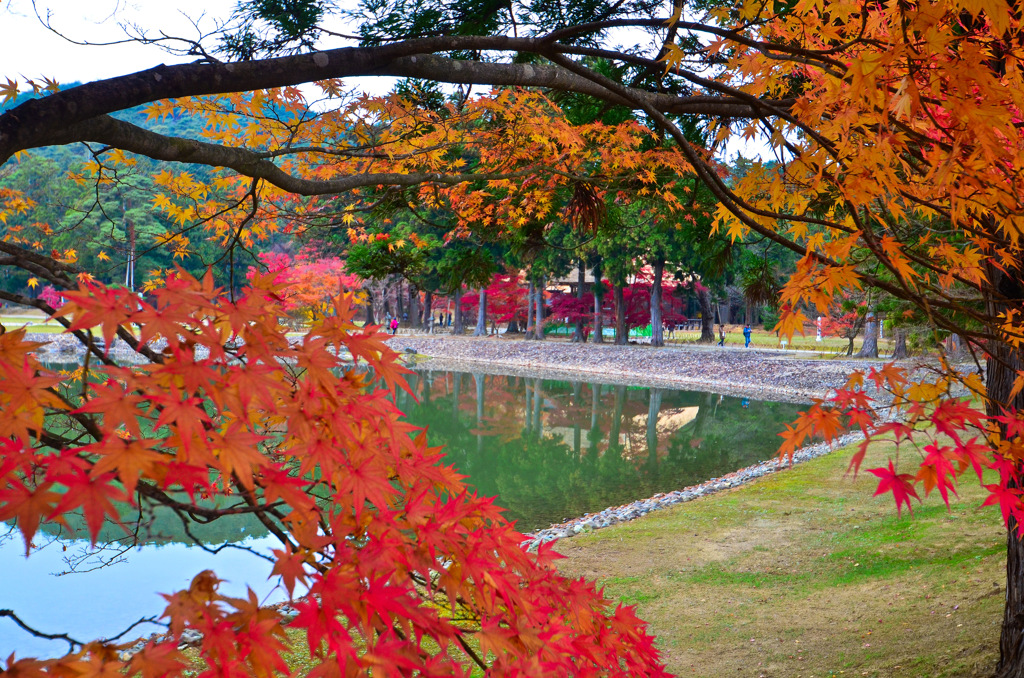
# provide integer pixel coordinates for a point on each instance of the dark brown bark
(457, 322)
(1001, 370)
(577, 335)
(621, 335)
(707, 316)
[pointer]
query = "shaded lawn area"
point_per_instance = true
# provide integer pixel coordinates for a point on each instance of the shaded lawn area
(805, 573)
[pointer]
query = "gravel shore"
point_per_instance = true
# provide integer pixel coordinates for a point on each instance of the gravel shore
(772, 375)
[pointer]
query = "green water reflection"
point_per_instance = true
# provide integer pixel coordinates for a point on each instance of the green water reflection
(553, 450)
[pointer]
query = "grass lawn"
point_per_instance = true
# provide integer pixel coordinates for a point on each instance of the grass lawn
(828, 346)
(806, 574)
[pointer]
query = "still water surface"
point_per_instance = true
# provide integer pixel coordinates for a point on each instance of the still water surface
(553, 450)
(548, 450)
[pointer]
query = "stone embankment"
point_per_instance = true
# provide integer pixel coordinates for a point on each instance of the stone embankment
(620, 514)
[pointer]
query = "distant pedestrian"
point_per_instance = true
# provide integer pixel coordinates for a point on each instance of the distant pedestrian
(721, 335)
(394, 326)
(746, 336)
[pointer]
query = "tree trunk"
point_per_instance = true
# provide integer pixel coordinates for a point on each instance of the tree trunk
(415, 319)
(457, 327)
(577, 335)
(869, 349)
(598, 319)
(513, 327)
(538, 323)
(529, 312)
(900, 352)
(657, 333)
(1002, 367)
(428, 308)
(1002, 370)
(481, 315)
(621, 335)
(369, 311)
(707, 316)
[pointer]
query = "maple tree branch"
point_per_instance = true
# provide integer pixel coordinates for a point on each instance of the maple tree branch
(72, 643)
(132, 138)
(42, 121)
(160, 497)
(139, 622)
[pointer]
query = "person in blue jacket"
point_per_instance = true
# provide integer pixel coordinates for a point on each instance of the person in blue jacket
(746, 336)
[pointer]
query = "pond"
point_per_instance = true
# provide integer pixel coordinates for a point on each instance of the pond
(548, 450)
(551, 450)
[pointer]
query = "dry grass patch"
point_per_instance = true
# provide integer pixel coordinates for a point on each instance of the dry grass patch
(806, 574)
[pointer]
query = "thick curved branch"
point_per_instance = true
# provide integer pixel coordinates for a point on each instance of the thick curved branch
(129, 137)
(33, 123)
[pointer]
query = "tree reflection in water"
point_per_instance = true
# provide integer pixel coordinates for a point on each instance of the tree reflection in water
(521, 439)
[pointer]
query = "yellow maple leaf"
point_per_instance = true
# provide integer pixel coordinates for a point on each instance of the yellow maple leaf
(9, 91)
(33, 282)
(103, 256)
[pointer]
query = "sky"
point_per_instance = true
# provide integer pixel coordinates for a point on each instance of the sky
(29, 49)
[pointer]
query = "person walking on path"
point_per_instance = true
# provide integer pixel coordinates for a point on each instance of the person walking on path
(721, 334)
(394, 326)
(746, 336)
